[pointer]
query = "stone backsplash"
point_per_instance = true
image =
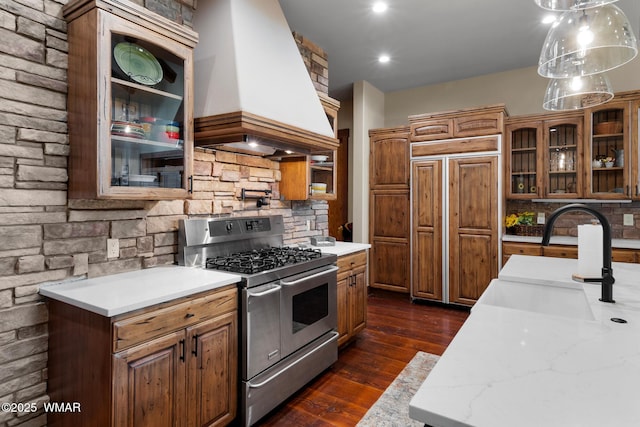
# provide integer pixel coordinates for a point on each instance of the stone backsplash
(566, 225)
(46, 238)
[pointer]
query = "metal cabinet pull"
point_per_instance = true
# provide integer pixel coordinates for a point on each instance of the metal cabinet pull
(195, 345)
(182, 350)
(189, 315)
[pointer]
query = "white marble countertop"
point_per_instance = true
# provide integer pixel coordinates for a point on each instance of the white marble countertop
(568, 240)
(513, 367)
(343, 248)
(120, 293)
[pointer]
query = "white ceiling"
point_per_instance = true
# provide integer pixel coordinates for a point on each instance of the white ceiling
(429, 41)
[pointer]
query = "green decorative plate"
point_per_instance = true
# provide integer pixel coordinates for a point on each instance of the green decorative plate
(138, 63)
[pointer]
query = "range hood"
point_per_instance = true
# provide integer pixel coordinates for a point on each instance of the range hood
(253, 92)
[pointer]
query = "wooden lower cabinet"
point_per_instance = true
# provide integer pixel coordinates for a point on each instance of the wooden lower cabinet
(173, 364)
(562, 251)
(389, 237)
(352, 295)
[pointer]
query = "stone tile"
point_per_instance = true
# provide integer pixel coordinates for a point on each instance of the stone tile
(10, 197)
(30, 264)
(165, 239)
(47, 174)
(75, 245)
(69, 230)
(163, 224)
(21, 236)
(113, 267)
(22, 367)
(128, 228)
(166, 207)
(22, 316)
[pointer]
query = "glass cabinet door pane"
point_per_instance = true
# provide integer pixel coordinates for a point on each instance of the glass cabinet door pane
(148, 115)
(524, 161)
(607, 152)
(563, 159)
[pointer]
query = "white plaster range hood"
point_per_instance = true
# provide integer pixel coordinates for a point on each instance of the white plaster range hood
(251, 84)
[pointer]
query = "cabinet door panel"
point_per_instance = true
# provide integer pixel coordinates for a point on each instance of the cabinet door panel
(213, 371)
(343, 309)
(358, 300)
(390, 265)
(427, 230)
(390, 159)
(473, 227)
(149, 383)
(391, 214)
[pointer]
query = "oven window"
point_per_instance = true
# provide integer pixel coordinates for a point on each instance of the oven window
(309, 307)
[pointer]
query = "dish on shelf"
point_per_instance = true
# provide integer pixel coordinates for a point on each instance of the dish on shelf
(319, 158)
(322, 163)
(318, 187)
(142, 178)
(607, 127)
(138, 63)
(129, 129)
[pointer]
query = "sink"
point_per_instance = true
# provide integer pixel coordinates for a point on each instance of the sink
(546, 299)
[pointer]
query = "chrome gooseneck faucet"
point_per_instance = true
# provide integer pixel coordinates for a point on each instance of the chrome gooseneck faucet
(607, 279)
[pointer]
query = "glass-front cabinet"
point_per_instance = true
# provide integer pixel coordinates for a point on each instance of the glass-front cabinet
(563, 177)
(605, 159)
(138, 80)
(523, 177)
(543, 157)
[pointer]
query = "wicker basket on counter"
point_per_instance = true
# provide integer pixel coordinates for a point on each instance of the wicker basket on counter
(528, 230)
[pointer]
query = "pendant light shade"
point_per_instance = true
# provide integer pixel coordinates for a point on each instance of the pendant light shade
(577, 92)
(587, 41)
(571, 4)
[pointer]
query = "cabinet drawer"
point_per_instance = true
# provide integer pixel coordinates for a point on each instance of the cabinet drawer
(350, 261)
(431, 130)
(154, 323)
(521, 249)
(560, 251)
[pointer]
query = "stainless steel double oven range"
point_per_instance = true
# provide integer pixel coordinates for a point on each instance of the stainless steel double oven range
(288, 304)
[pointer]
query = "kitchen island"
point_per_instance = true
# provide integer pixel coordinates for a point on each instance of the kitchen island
(526, 361)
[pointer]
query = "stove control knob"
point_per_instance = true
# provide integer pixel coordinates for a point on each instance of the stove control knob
(229, 227)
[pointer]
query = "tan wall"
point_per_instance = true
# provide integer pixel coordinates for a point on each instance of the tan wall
(522, 91)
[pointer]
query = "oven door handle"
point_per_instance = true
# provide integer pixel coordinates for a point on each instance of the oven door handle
(277, 374)
(304, 279)
(267, 292)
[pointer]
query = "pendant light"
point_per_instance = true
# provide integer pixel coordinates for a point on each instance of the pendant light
(571, 4)
(587, 41)
(577, 92)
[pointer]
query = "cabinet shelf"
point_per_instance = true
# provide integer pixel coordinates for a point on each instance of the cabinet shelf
(562, 147)
(147, 89)
(608, 135)
(611, 169)
(524, 150)
(514, 173)
(562, 172)
(161, 145)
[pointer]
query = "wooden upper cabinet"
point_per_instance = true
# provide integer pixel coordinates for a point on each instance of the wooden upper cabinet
(389, 157)
(130, 102)
(563, 173)
(457, 124)
(608, 137)
(634, 155)
(543, 156)
(300, 173)
(523, 159)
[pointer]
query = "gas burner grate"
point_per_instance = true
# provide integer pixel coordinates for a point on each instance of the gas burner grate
(256, 261)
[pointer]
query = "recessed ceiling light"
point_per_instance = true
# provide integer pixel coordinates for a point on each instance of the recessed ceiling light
(384, 59)
(379, 7)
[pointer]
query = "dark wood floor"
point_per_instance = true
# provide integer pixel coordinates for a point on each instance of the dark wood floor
(396, 330)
